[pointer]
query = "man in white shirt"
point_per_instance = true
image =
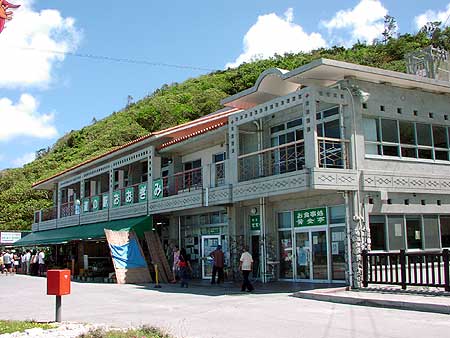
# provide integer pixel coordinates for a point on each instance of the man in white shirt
(246, 264)
(27, 259)
(7, 260)
(41, 262)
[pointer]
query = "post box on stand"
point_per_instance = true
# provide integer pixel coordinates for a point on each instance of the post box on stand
(58, 284)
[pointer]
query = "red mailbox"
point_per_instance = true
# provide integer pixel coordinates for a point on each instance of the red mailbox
(58, 282)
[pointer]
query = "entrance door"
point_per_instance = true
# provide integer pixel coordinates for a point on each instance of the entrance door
(255, 255)
(319, 255)
(311, 254)
(303, 255)
(209, 244)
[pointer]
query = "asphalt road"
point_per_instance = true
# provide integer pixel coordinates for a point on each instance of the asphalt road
(206, 312)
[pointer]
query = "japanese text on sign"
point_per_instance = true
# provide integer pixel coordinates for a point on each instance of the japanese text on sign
(310, 217)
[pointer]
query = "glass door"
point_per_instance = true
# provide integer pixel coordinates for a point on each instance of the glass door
(303, 255)
(319, 255)
(209, 244)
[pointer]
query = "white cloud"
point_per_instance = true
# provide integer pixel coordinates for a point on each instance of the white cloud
(26, 36)
(22, 160)
(23, 119)
(272, 34)
(432, 16)
(364, 22)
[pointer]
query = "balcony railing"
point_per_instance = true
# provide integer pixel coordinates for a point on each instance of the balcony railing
(69, 209)
(272, 161)
(95, 203)
(333, 153)
(183, 181)
(218, 174)
(49, 214)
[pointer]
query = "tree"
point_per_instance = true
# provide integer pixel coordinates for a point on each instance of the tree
(390, 28)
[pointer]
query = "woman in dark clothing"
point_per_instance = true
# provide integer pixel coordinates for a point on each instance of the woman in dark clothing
(184, 267)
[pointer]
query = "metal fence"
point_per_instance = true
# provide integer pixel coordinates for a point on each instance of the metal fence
(407, 269)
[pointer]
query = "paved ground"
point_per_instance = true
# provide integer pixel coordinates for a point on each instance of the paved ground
(203, 311)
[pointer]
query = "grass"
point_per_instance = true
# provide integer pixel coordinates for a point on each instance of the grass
(10, 326)
(142, 332)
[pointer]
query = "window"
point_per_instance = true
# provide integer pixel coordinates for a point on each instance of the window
(220, 157)
(417, 140)
(284, 220)
(431, 232)
(445, 231)
(396, 233)
(337, 214)
(378, 232)
(414, 232)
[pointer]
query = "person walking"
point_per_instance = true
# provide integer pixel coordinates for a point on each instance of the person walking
(218, 263)
(176, 258)
(246, 265)
(41, 262)
(27, 258)
(184, 268)
(7, 261)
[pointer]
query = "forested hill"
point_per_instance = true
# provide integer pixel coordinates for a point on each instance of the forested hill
(174, 104)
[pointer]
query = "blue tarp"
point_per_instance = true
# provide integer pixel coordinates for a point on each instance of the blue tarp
(127, 256)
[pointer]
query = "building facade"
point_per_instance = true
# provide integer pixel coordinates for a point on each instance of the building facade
(308, 168)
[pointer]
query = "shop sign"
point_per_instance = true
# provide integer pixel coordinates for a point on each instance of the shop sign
(86, 204)
(255, 222)
(105, 201)
(210, 231)
(116, 198)
(129, 195)
(95, 203)
(9, 237)
(157, 190)
(142, 192)
(310, 217)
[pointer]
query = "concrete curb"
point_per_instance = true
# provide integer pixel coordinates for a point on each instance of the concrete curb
(383, 303)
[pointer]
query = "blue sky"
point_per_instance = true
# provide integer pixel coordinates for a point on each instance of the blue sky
(44, 95)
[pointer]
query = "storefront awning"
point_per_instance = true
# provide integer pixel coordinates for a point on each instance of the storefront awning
(86, 232)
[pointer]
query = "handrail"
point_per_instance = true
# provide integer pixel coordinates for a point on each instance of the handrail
(270, 149)
(332, 139)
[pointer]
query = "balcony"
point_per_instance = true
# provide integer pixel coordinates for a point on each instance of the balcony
(184, 181)
(277, 160)
(333, 153)
(129, 201)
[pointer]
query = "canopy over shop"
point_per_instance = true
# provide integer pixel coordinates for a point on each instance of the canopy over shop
(84, 248)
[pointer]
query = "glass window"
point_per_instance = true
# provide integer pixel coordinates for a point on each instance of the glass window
(423, 134)
(286, 255)
(414, 232)
(377, 232)
(277, 128)
(294, 123)
(407, 133)
(332, 129)
(445, 231)
(440, 137)
(371, 134)
(215, 218)
(218, 157)
(389, 130)
(396, 233)
(337, 214)
(338, 253)
(284, 220)
(320, 130)
(431, 232)
(330, 112)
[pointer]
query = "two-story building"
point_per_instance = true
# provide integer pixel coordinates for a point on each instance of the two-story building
(308, 167)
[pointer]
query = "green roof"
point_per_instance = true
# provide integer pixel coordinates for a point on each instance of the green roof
(84, 232)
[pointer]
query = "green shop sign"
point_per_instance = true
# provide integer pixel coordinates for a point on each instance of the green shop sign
(95, 203)
(116, 199)
(210, 231)
(85, 205)
(105, 201)
(129, 195)
(255, 222)
(310, 217)
(157, 189)
(142, 192)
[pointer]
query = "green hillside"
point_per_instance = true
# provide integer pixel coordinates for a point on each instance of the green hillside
(173, 104)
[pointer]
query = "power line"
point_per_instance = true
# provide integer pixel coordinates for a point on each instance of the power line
(115, 59)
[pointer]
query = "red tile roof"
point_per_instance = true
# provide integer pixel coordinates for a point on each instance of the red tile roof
(179, 133)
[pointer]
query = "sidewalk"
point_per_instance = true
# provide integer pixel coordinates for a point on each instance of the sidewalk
(433, 301)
